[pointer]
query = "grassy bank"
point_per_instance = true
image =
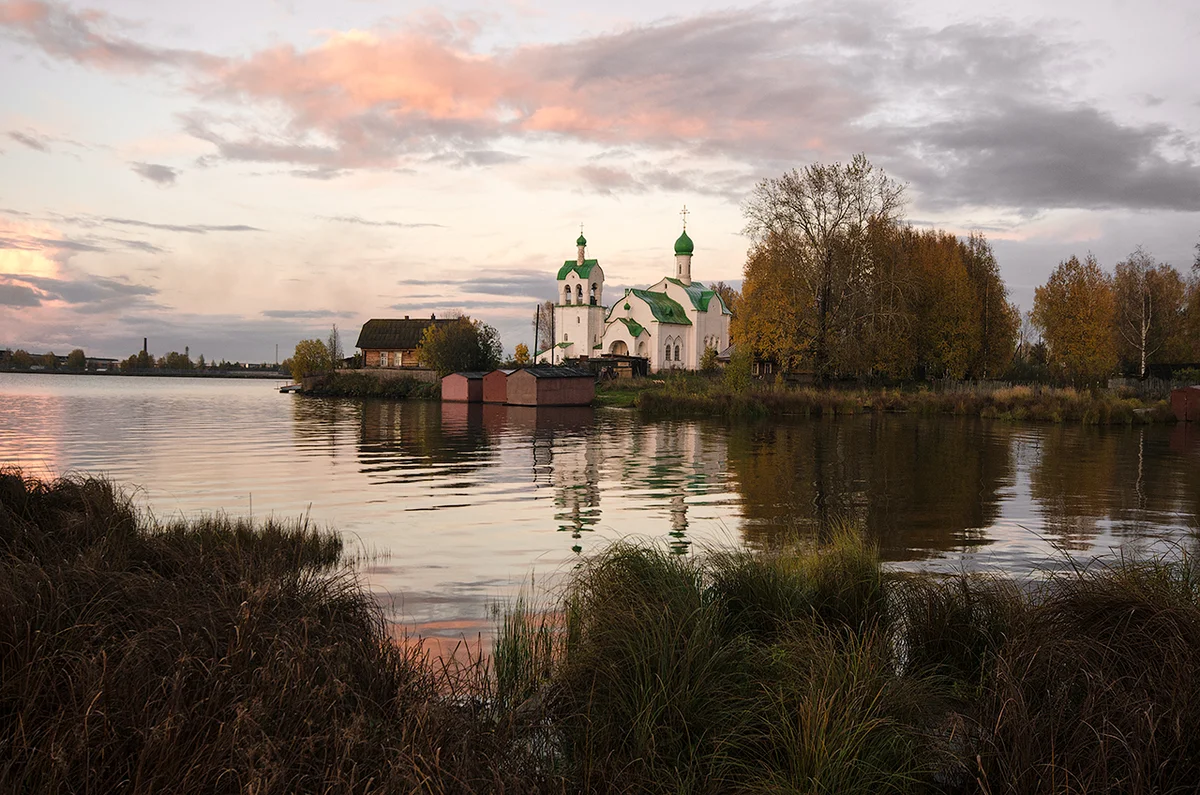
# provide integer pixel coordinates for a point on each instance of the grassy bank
(693, 395)
(219, 657)
(358, 385)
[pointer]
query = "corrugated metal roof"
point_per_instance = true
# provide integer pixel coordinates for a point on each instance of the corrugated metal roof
(391, 334)
(546, 371)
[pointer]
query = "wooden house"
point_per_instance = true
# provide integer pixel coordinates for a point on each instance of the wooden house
(387, 342)
(551, 386)
(495, 386)
(462, 388)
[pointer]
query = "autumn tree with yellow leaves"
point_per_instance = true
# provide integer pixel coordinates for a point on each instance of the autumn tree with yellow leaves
(1075, 310)
(835, 284)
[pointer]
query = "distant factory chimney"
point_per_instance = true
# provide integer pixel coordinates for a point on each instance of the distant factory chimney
(145, 348)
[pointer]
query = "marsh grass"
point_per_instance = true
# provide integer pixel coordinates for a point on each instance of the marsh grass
(691, 394)
(361, 385)
(208, 656)
(218, 656)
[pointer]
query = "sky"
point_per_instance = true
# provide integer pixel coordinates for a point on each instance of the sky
(236, 176)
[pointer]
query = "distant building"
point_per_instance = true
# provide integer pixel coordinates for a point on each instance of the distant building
(387, 342)
(669, 324)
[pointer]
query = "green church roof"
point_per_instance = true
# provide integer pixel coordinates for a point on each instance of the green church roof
(684, 244)
(635, 328)
(583, 270)
(582, 241)
(700, 295)
(663, 307)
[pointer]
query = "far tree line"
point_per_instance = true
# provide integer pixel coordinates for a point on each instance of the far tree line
(838, 285)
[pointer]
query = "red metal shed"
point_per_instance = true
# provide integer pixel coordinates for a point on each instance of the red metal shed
(463, 388)
(495, 386)
(551, 386)
(1186, 403)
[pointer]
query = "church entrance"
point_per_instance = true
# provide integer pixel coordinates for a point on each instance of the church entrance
(619, 348)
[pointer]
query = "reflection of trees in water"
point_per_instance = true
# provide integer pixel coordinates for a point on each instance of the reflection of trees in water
(396, 437)
(1132, 476)
(322, 423)
(915, 484)
(1185, 442)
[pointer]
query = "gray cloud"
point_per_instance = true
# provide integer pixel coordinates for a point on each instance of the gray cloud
(30, 243)
(163, 175)
(18, 295)
(194, 229)
(1035, 156)
(86, 293)
(141, 245)
(85, 38)
(477, 158)
(354, 219)
(492, 282)
(31, 139)
(973, 112)
(304, 314)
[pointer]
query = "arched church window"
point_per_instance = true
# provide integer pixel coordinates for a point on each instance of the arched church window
(579, 293)
(567, 294)
(676, 353)
(667, 355)
(593, 294)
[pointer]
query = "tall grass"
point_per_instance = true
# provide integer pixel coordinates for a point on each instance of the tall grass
(207, 657)
(217, 656)
(363, 385)
(693, 395)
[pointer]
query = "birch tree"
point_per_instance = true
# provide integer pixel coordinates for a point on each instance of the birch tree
(1150, 302)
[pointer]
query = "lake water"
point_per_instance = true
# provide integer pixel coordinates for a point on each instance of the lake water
(458, 507)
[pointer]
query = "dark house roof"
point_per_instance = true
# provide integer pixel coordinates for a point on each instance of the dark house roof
(388, 334)
(470, 375)
(557, 372)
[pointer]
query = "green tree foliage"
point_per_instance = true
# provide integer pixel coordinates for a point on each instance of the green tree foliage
(200, 363)
(708, 360)
(176, 361)
(521, 355)
(738, 372)
(76, 359)
(311, 357)
(463, 346)
(1151, 301)
(49, 361)
(1075, 310)
(21, 360)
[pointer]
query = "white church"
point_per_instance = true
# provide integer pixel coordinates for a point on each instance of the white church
(670, 323)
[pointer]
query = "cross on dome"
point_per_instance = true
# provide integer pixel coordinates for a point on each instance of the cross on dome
(684, 214)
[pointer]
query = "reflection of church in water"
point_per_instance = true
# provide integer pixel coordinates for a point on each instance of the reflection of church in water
(649, 469)
(648, 475)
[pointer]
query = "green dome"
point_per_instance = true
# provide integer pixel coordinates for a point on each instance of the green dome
(684, 244)
(582, 241)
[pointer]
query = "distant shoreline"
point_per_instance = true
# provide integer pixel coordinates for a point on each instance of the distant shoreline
(253, 374)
